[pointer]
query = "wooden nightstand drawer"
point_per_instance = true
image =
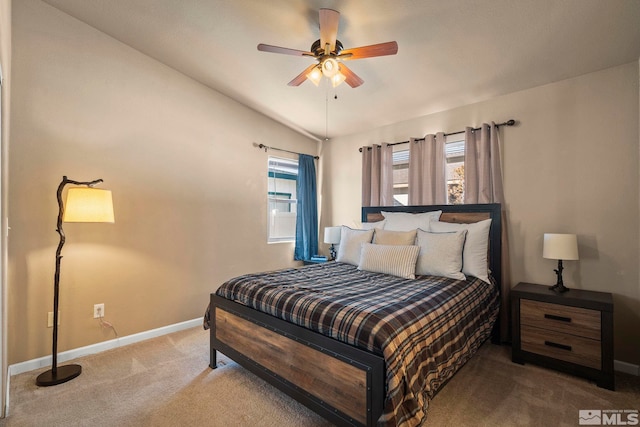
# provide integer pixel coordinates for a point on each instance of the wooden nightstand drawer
(570, 348)
(577, 321)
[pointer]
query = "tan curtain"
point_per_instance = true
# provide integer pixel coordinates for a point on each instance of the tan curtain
(482, 170)
(483, 184)
(427, 173)
(377, 175)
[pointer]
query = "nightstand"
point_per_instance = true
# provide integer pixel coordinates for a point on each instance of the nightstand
(571, 332)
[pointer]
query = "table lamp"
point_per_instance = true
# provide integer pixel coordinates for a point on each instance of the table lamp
(332, 236)
(560, 247)
(84, 204)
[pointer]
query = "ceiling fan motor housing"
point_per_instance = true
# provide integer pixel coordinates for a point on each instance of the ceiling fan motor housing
(319, 50)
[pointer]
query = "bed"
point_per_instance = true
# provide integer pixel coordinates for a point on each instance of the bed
(297, 329)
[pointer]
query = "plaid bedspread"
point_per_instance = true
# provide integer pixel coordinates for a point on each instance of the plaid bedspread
(425, 329)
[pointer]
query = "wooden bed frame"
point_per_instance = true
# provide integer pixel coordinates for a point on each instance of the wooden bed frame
(344, 384)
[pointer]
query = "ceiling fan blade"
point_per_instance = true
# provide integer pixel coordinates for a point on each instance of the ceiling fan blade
(329, 20)
(300, 78)
(277, 49)
(351, 78)
(381, 49)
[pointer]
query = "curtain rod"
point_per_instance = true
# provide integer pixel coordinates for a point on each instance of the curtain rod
(507, 123)
(281, 149)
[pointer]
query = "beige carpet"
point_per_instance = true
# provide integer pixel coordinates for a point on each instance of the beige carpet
(166, 381)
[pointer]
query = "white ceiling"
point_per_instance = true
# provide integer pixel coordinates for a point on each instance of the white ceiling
(451, 52)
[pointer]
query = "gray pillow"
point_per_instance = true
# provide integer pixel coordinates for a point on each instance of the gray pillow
(441, 254)
(350, 244)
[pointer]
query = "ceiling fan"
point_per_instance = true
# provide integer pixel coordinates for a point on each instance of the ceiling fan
(329, 54)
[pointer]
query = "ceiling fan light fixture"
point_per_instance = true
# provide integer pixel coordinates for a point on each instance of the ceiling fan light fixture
(315, 76)
(338, 79)
(330, 67)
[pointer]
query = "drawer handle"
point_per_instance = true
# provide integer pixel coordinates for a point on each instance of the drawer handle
(560, 318)
(556, 345)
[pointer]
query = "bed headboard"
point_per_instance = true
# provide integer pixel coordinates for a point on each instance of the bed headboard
(462, 214)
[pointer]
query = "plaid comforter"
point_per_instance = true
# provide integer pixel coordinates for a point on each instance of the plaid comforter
(425, 329)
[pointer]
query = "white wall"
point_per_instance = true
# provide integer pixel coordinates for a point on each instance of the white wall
(571, 165)
(189, 187)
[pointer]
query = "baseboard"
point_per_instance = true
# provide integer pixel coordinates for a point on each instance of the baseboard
(41, 362)
(627, 368)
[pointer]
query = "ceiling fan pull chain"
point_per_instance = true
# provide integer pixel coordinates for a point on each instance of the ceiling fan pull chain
(326, 101)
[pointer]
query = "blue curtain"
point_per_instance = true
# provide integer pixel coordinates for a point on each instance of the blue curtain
(307, 215)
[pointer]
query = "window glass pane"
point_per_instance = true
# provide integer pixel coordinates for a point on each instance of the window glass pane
(454, 153)
(281, 199)
(401, 177)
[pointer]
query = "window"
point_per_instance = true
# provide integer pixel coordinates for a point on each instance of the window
(454, 154)
(281, 199)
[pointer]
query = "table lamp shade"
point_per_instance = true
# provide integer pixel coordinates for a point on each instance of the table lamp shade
(88, 205)
(332, 235)
(560, 246)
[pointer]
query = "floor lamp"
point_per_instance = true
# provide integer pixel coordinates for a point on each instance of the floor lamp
(83, 204)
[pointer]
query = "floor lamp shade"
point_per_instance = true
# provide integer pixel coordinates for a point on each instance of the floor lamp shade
(83, 204)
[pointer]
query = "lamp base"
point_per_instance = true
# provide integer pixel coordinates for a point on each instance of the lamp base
(559, 288)
(63, 374)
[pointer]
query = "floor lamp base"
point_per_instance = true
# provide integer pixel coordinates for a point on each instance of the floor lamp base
(63, 374)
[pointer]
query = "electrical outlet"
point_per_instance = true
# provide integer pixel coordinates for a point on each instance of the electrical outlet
(98, 310)
(50, 319)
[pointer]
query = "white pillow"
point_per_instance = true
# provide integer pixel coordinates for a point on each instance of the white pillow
(372, 225)
(405, 221)
(440, 254)
(351, 243)
(474, 255)
(387, 237)
(395, 260)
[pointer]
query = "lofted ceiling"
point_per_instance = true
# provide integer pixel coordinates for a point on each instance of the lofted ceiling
(451, 52)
